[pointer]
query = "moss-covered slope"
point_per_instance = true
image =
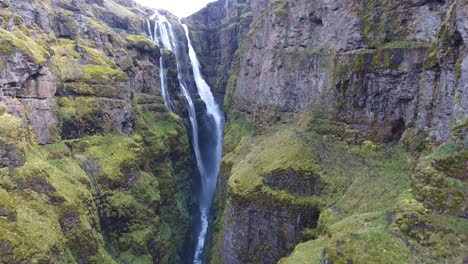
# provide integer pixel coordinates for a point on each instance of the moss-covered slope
(93, 168)
(352, 201)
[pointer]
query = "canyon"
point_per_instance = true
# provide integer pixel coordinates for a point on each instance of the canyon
(253, 131)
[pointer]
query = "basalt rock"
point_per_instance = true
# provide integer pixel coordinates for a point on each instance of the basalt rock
(295, 55)
(93, 167)
(362, 71)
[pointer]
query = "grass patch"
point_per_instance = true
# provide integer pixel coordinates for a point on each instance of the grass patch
(405, 45)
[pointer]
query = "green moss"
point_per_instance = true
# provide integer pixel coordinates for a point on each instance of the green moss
(458, 66)
(141, 41)
(405, 45)
(361, 226)
(80, 106)
(280, 8)
(437, 181)
(46, 188)
(432, 59)
(263, 154)
(127, 257)
(67, 60)
(18, 20)
(247, 15)
(24, 44)
(5, 47)
(232, 81)
(236, 129)
(100, 77)
(57, 151)
(413, 140)
(72, 200)
(436, 237)
(361, 185)
(98, 57)
(12, 127)
(446, 150)
(364, 239)
(31, 237)
(382, 21)
(321, 122)
(115, 154)
(7, 206)
(103, 74)
(127, 64)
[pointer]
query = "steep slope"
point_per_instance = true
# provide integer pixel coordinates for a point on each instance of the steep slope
(346, 127)
(93, 168)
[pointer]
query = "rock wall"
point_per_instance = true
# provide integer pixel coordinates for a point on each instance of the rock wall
(93, 168)
(377, 70)
(299, 53)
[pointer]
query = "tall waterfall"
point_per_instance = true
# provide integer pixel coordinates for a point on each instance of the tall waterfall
(164, 36)
(213, 110)
(165, 40)
(208, 155)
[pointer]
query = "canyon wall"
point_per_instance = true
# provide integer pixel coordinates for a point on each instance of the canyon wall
(93, 167)
(349, 82)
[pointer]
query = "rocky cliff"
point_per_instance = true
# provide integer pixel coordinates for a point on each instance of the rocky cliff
(346, 129)
(345, 139)
(93, 168)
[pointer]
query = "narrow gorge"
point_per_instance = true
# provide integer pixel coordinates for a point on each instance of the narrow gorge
(206, 142)
(252, 131)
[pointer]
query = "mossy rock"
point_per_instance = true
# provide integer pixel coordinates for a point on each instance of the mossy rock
(7, 206)
(17, 40)
(118, 158)
(141, 42)
(440, 179)
(87, 71)
(85, 116)
(13, 141)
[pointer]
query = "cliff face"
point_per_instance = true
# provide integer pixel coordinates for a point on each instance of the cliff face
(375, 92)
(93, 168)
(345, 139)
(345, 55)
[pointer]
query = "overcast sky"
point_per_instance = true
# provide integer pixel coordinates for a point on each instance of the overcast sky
(180, 8)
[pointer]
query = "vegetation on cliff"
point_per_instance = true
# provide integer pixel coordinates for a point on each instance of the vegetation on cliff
(93, 168)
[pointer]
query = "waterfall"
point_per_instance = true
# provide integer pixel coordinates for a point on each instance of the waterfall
(162, 77)
(208, 156)
(215, 113)
(166, 40)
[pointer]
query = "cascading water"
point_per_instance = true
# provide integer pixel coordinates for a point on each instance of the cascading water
(208, 157)
(164, 40)
(164, 36)
(213, 110)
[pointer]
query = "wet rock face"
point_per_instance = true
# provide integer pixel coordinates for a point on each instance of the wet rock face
(262, 232)
(217, 31)
(295, 55)
(298, 183)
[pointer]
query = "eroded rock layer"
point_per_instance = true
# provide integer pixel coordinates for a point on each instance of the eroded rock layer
(340, 112)
(93, 168)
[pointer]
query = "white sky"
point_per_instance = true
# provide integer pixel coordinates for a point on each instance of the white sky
(180, 8)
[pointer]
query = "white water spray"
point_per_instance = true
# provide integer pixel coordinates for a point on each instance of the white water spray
(165, 38)
(214, 111)
(208, 161)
